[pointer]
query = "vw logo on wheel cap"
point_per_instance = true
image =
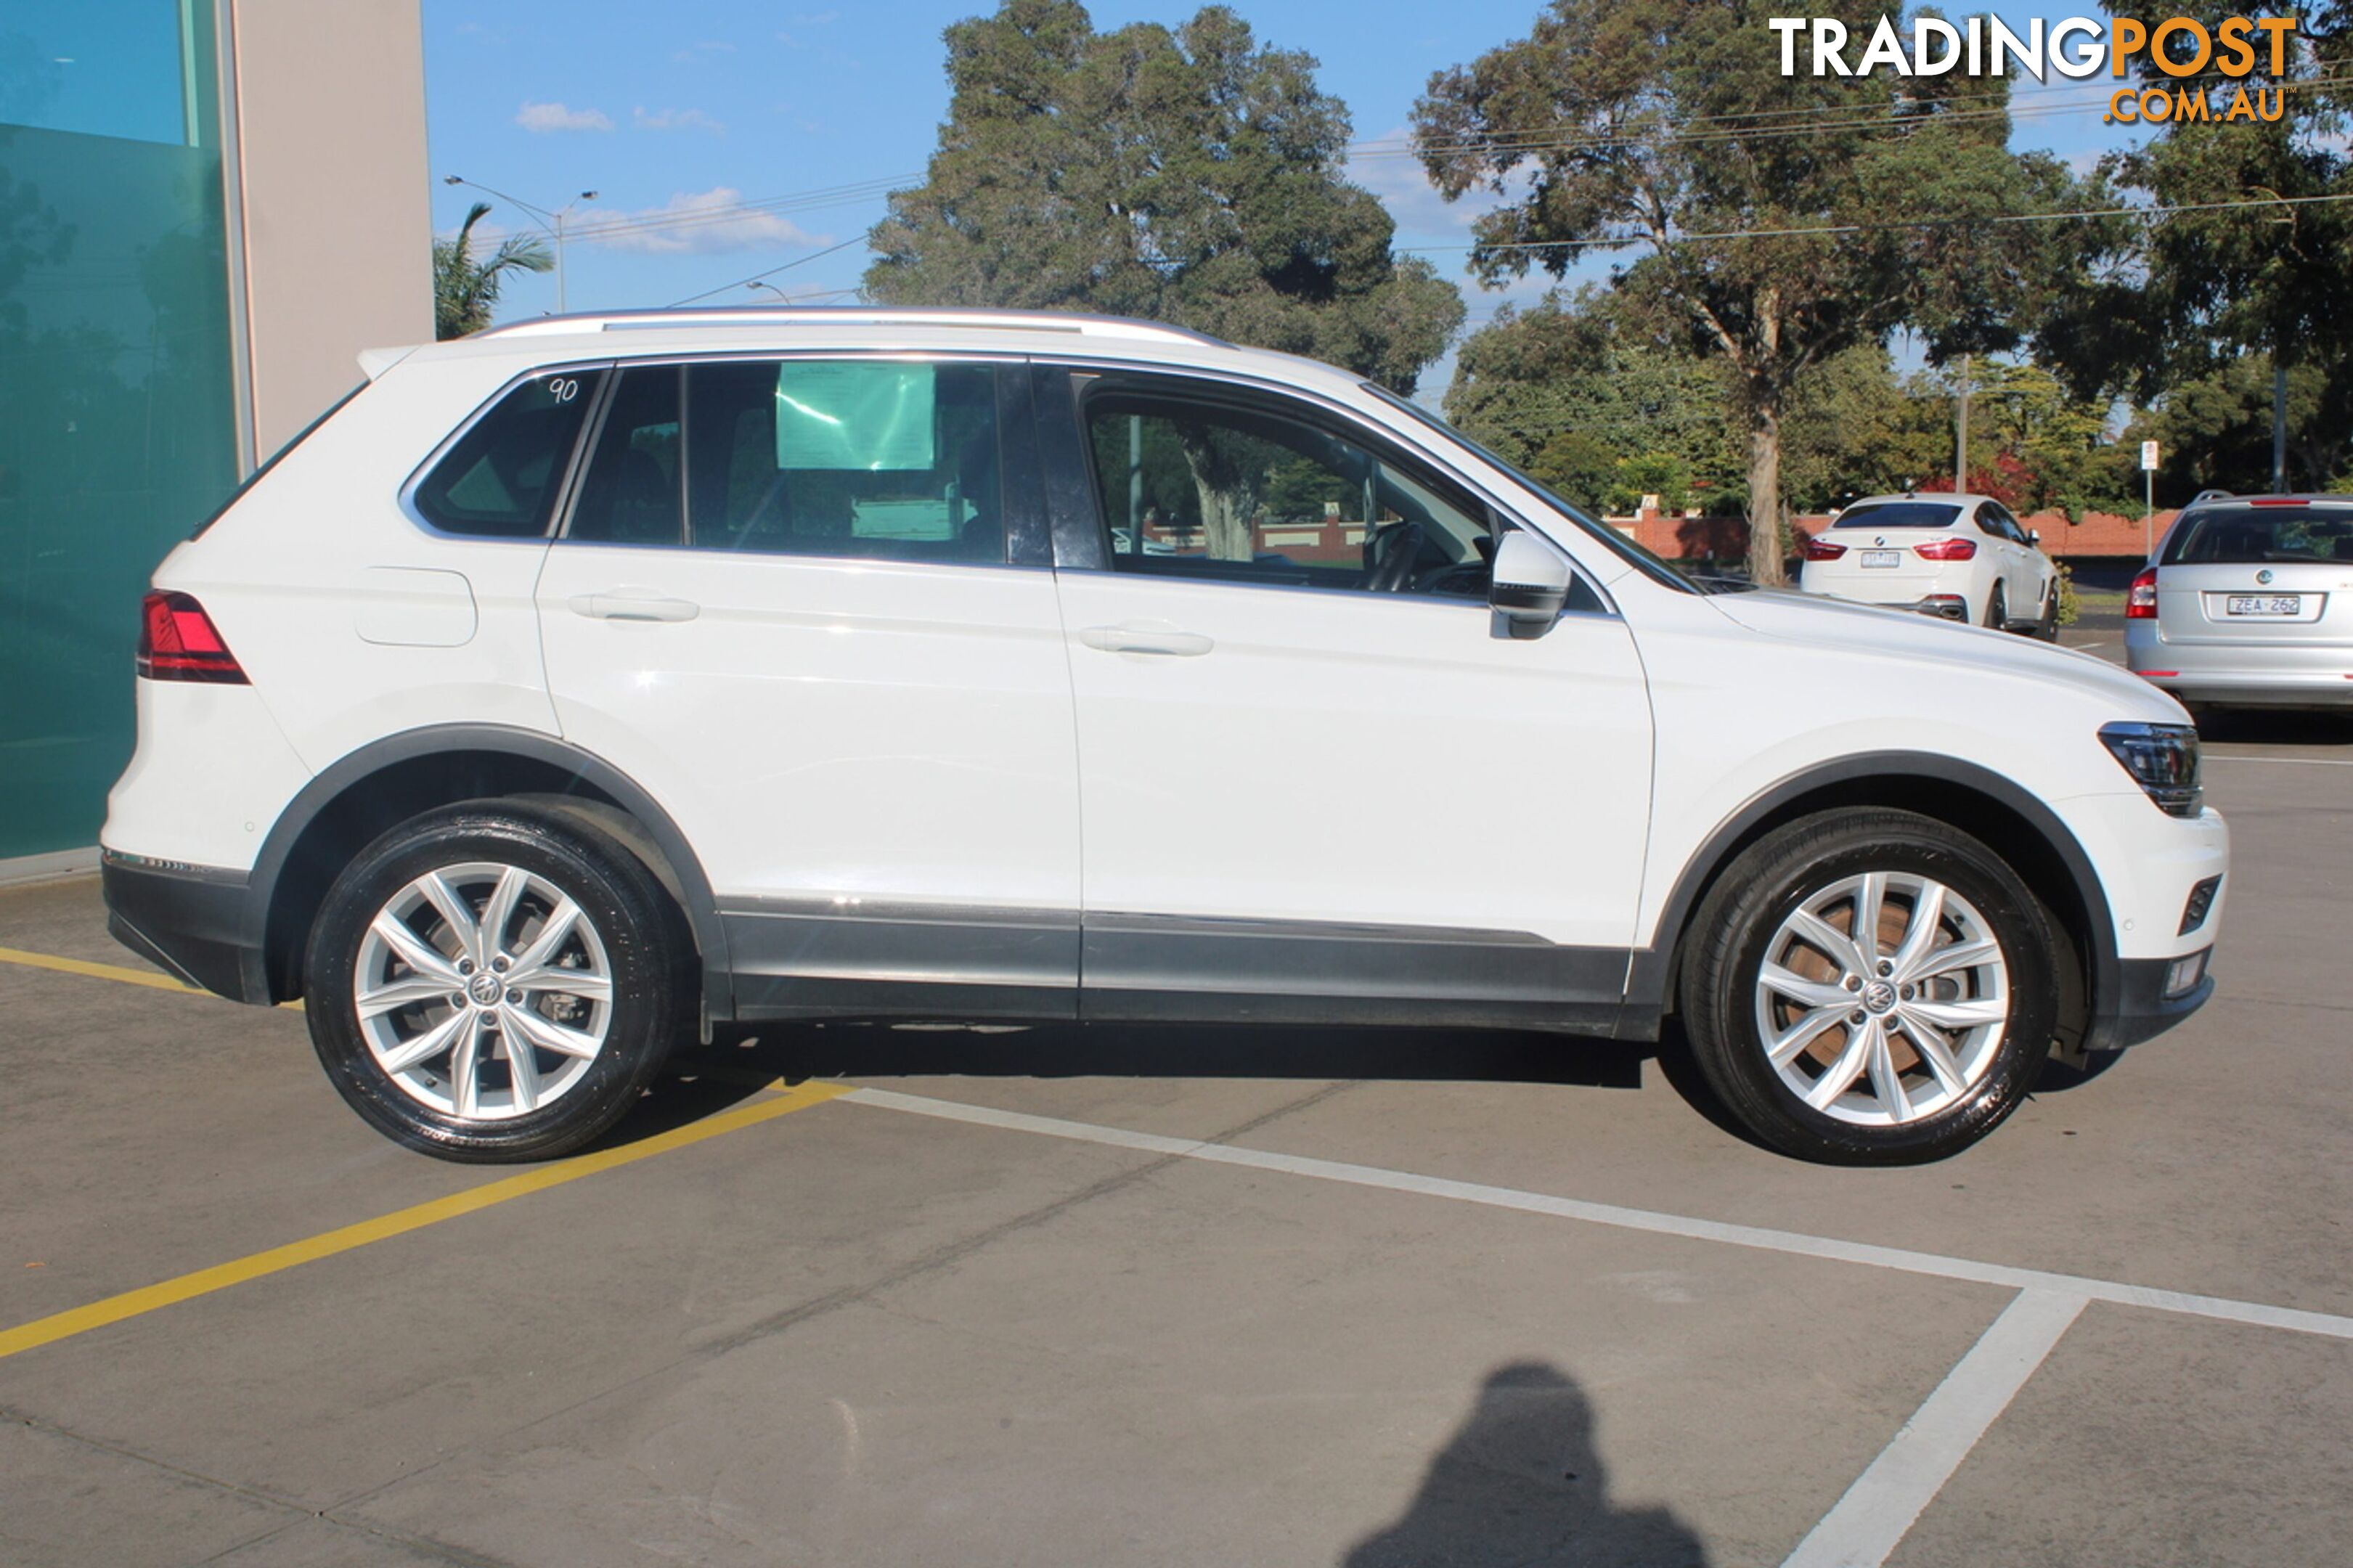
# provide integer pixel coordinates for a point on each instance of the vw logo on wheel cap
(485, 988)
(1879, 997)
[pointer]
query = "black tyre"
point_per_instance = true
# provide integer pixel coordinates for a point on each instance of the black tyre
(1906, 1047)
(489, 983)
(1997, 608)
(2048, 627)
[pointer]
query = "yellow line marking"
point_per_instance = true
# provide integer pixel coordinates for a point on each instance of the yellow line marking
(220, 1276)
(116, 972)
(95, 970)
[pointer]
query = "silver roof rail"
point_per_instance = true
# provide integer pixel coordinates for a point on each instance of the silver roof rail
(2211, 495)
(1072, 322)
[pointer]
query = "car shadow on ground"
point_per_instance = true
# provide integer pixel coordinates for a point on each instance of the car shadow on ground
(1522, 1482)
(859, 1049)
(2276, 727)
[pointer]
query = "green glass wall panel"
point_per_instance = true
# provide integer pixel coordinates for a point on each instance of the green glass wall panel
(117, 387)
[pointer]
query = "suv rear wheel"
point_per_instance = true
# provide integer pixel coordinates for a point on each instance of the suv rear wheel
(1870, 987)
(485, 983)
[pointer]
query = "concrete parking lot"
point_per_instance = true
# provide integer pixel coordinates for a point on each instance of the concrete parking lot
(1185, 1297)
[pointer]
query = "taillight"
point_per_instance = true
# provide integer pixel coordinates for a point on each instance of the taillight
(178, 641)
(2140, 599)
(1946, 550)
(1823, 550)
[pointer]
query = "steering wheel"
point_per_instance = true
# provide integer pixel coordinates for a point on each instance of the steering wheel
(1394, 550)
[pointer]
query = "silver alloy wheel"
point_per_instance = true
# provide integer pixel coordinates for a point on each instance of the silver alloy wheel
(483, 990)
(1882, 999)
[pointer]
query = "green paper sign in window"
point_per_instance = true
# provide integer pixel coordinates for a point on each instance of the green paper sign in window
(870, 416)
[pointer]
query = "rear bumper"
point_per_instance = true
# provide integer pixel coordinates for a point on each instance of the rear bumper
(189, 919)
(2249, 688)
(2248, 675)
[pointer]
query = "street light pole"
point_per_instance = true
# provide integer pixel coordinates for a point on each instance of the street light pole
(550, 223)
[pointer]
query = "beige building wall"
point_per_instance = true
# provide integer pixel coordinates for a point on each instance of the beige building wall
(335, 197)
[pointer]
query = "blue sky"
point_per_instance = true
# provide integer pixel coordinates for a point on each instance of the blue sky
(696, 104)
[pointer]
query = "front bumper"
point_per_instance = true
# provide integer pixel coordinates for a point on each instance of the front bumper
(192, 920)
(2138, 1009)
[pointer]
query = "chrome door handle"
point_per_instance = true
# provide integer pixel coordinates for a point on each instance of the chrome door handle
(1147, 639)
(633, 605)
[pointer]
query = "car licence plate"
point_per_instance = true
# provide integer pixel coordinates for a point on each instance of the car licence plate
(1890, 557)
(2263, 605)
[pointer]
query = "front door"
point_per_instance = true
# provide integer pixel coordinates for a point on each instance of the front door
(1317, 780)
(783, 602)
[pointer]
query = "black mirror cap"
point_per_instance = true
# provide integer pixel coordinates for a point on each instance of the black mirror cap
(1527, 599)
(1524, 611)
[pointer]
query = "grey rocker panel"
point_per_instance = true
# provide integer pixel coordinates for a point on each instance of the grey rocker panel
(814, 958)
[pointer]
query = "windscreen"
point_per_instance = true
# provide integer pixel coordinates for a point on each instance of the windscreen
(1899, 514)
(2248, 536)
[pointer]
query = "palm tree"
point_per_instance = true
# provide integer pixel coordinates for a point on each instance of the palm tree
(465, 289)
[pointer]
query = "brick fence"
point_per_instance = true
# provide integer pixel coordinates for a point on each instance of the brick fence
(2100, 534)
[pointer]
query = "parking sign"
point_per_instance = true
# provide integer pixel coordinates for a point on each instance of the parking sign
(2148, 456)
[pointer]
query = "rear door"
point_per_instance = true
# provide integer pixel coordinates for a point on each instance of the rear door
(805, 603)
(1317, 782)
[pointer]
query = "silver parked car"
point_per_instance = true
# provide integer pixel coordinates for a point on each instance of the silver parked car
(2249, 604)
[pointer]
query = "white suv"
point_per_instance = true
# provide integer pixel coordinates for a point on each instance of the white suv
(1962, 557)
(582, 684)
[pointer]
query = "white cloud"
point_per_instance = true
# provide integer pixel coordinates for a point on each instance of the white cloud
(1385, 166)
(702, 51)
(704, 223)
(677, 120)
(541, 118)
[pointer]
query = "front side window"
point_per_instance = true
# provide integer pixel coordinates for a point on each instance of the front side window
(1196, 485)
(499, 478)
(881, 459)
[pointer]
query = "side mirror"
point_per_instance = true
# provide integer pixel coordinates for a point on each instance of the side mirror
(1528, 585)
(2034, 536)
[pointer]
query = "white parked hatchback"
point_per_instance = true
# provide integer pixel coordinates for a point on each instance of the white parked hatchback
(1962, 557)
(589, 683)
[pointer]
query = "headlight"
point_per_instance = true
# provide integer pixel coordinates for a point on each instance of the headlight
(2162, 760)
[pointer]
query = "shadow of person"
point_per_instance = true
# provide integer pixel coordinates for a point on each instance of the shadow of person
(1520, 1484)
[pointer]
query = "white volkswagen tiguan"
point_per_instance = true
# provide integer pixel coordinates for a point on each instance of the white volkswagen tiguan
(584, 684)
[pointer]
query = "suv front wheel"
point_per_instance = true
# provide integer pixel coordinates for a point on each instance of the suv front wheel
(484, 983)
(1870, 986)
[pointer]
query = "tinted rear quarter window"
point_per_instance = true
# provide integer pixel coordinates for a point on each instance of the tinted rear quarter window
(500, 479)
(2248, 536)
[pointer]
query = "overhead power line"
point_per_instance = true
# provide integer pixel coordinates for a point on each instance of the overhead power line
(2132, 212)
(771, 272)
(1822, 120)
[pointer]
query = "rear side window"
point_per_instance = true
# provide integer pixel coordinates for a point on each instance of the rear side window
(886, 460)
(1900, 514)
(630, 494)
(2248, 537)
(500, 479)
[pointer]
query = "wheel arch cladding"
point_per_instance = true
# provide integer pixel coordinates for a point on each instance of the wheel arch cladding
(353, 801)
(1995, 810)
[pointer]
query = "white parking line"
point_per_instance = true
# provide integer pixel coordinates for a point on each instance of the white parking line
(1870, 1518)
(1880, 1509)
(1830, 1248)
